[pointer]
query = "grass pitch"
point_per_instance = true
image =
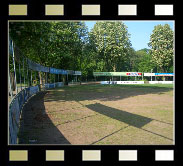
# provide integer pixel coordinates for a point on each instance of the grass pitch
(100, 115)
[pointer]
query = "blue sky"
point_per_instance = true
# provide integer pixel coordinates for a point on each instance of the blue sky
(140, 31)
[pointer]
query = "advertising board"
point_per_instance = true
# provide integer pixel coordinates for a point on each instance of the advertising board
(164, 74)
(37, 67)
(134, 74)
(57, 71)
(161, 82)
(71, 72)
(121, 82)
(109, 73)
(117, 74)
(149, 74)
(77, 73)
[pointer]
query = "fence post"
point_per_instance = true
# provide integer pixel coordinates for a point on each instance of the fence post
(24, 72)
(20, 76)
(31, 77)
(14, 68)
(10, 91)
(46, 78)
(35, 77)
(27, 74)
(54, 81)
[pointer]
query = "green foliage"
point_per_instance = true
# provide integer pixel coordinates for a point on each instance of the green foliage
(107, 47)
(161, 43)
(111, 40)
(54, 44)
(144, 62)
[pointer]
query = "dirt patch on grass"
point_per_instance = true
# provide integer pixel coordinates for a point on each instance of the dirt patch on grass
(96, 114)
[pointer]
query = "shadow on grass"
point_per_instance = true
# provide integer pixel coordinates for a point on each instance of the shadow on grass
(126, 117)
(36, 127)
(103, 92)
(123, 116)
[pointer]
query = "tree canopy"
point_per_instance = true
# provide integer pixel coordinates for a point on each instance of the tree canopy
(161, 43)
(107, 47)
(112, 44)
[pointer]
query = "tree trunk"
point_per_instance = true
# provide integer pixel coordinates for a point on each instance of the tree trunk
(40, 78)
(12, 79)
(163, 69)
(46, 78)
(114, 68)
(163, 78)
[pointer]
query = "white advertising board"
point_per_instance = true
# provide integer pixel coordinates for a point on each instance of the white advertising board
(122, 82)
(134, 74)
(158, 74)
(149, 74)
(161, 82)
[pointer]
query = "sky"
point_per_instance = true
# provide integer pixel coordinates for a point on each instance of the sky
(140, 31)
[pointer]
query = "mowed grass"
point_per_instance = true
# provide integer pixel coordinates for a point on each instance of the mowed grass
(104, 115)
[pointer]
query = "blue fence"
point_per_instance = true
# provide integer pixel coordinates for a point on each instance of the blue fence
(16, 105)
(54, 85)
(37, 67)
(15, 109)
(19, 100)
(58, 71)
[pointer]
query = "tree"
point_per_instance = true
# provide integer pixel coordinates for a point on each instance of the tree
(144, 62)
(161, 43)
(132, 66)
(52, 44)
(111, 40)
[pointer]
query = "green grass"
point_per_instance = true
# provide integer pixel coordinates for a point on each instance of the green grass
(111, 114)
(91, 87)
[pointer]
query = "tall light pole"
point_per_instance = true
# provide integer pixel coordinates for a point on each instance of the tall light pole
(151, 74)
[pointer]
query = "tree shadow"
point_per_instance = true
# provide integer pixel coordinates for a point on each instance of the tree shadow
(35, 125)
(123, 116)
